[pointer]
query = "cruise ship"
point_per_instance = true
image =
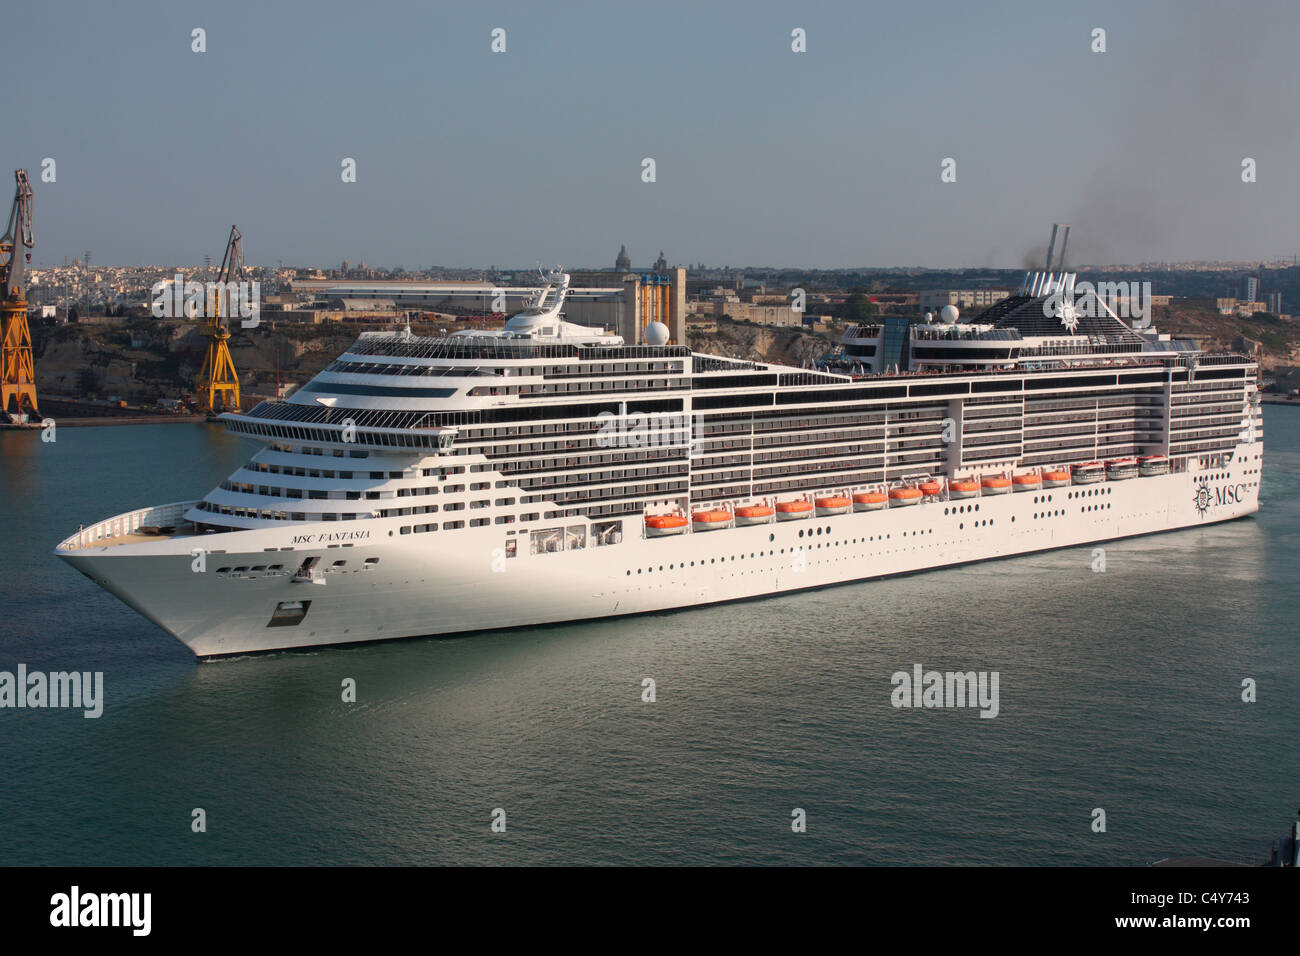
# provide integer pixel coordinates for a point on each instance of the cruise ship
(552, 472)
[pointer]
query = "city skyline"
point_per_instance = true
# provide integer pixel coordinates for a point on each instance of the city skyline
(829, 158)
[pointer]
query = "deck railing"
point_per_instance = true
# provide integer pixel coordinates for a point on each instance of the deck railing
(131, 521)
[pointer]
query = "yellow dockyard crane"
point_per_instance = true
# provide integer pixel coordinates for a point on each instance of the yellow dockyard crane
(218, 384)
(17, 370)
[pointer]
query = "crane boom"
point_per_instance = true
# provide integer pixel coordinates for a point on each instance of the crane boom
(232, 267)
(18, 237)
(218, 384)
(17, 369)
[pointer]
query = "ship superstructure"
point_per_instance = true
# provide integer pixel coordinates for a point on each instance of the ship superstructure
(551, 472)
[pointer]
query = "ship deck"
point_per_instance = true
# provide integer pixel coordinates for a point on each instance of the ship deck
(136, 537)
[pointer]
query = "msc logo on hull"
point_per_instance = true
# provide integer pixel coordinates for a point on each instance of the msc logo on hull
(1207, 497)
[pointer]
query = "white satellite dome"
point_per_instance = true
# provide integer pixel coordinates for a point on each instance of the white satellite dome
(656, 333)
(929, 318)
(948, 314)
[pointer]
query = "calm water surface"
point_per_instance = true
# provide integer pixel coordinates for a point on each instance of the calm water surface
(1118, 690)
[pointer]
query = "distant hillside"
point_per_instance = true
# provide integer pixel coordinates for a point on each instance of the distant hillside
(144, 360)
(764, 343)
(1279, 338)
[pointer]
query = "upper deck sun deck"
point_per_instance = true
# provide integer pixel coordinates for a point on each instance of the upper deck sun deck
(501, 348)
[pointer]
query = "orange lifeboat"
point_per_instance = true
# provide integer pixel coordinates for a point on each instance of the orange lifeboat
(904, 496)
(963, 488)
(711, 520)
(659, 526)
(1055, 478)
(995, 484)
(930, 488)
(1030, 482)
(792, 510)
(869, 500)
(832, 505)
(754, 514)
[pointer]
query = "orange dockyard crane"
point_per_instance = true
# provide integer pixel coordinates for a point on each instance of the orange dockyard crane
(218, 384)
(17, 370)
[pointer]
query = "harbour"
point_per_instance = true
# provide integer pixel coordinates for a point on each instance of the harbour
(690, 436)
(1116, 691)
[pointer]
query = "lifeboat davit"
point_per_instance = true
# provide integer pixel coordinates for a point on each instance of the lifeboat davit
(658, 526)
(963, 488)
(1087, 473)
(792, 510)
(711, 520)
(1029, 482)
(1152, 465)
(832, 505)
(1055, 478)
(869, 500)
(995, 484)
(1117, 469)
(904, 496)
(930, 488)
(754, 514)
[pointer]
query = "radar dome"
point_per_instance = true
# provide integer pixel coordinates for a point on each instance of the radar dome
(656, 333)
(948, 314)
(929, 318)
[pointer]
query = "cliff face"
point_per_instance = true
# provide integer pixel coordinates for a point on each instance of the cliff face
(1278, 339)
(145, 360)
(141, 362)
(761, 343)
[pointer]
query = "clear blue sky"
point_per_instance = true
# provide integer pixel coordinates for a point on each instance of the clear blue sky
(828, 158)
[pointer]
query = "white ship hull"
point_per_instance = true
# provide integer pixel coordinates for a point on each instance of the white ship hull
(434, 585)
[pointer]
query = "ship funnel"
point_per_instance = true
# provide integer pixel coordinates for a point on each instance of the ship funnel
(1046, 283)
(1063, 229)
